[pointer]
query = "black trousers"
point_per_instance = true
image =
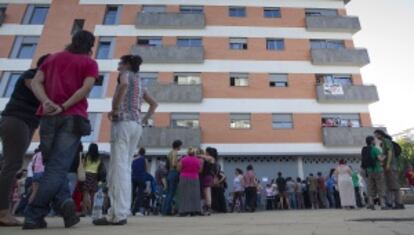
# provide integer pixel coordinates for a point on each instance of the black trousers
(16, 136)
(251, 198)
(218, 199)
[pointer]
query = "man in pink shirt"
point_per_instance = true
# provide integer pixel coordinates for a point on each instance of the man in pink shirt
(61, 84)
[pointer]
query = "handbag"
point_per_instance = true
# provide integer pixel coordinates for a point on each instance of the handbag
(82, 126)
(81, 170)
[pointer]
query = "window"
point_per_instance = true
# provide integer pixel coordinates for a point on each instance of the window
(330, 44)
(282, 121)
(105, 48)
(153, 9)
(321, 12)
(237, 11)
(77, 26)
(8, 83)
(24, 47)
(271, 12)
(240, 121)
(334, 79)
(187, 78)
(238, 43)
(98, 89)
(3, 8)
(341, 120)
(150, 41)
(36, 14)
(148, 78)
(191, 9)
(112, 15)
(189, 42)
(275, 44)
(278, 80)
(185, 120)
(239, 79)
(95, 120)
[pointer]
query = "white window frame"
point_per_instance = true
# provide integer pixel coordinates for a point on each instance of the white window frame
(30, 11)
(19, 41)
(185, 117)
(279, 121)
(279, 79)
(162, 8)
(105, 83)
(118, 14)
(239, 76)
(187, 79)
(111, 40)
(238, 120)
(5, 81)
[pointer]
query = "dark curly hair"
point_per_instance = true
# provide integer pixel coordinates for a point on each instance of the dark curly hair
(82, 43)
(134, 62)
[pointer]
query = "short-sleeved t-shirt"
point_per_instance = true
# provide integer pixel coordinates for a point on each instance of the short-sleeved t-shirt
(23, 103)
(355, 179)
(281, 184)
(65, 73)
(375, 153)
(388, 146)
(190, 167)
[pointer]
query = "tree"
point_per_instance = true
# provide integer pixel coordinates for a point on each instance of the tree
(406, 158)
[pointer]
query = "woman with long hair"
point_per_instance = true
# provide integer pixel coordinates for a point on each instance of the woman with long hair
(93, 166)
(207, 178)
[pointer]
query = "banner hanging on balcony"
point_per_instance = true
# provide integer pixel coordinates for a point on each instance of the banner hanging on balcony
(333, 89)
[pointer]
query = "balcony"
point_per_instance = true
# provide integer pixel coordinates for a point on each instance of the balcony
(347, 24)
(170, 54)
(346, 137)
(163, 137)
(173, 93)
(2, 16)
(167, 20)
(351, 94)
(341, 57)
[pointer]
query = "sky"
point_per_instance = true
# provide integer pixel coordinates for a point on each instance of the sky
(388, 34)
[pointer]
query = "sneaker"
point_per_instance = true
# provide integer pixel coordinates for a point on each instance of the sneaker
(101, 222)
(70, 218)
(42, 224)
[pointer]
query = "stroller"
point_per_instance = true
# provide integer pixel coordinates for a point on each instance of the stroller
(150, 202)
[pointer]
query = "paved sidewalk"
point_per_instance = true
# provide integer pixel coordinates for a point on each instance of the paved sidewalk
(321, 222)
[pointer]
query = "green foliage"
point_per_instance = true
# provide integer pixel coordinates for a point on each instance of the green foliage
(406, 158)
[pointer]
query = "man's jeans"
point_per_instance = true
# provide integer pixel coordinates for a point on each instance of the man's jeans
(124, 144)
(331, 198)
(59, 146)
(172, 181)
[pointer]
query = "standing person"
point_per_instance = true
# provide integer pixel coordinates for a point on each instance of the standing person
(299, 188)
(372, 162)
(283, 196)
(161, 177)
(38, 168)
(409, 177)
(93, 166)
(391, 171)
(139, 172)
(172, 177)
(207, 178)
(291, 192)
(219, 202)
(126, 132)
(62, 85)
(322, 190)
(357, 187)
(346, 188)
(17, 125)
(330, 187)
(313, 191)
(238, 190)
(250, 187)
(189, 185)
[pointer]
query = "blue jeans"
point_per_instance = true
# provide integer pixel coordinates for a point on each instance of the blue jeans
(59, 145)
(172, 181)
(331, 198)
(292, 200)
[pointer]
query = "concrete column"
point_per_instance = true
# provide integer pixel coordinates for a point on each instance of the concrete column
(301, 173)
(153, 166)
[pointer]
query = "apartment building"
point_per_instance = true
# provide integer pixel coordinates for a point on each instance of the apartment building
(272, 83)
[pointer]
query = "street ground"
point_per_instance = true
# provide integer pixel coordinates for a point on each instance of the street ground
(308, 222)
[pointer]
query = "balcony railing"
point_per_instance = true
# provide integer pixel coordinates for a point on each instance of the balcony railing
(346, 137)
(347, 24)
(163, 137)
(173, 93)
(349, 94)
(342, 57)
(170, 20)
(170, 54)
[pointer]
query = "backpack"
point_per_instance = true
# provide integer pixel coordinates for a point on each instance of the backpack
(397, 149)
(367, 161)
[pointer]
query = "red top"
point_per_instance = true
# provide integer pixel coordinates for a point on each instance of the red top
(410, 177)
(190, 167)
(65, 73)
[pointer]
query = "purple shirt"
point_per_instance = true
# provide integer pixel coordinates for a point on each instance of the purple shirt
(190, 167)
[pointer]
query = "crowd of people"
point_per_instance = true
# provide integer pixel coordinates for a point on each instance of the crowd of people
(63, 180)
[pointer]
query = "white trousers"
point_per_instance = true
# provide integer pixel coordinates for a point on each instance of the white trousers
(125, 138)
